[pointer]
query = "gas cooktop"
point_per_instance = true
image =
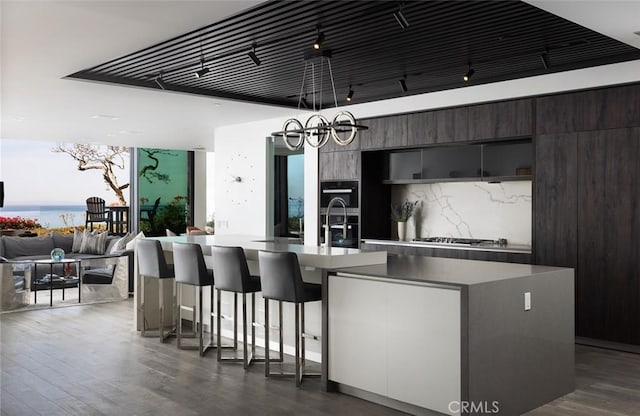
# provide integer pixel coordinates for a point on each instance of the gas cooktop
(462, 241)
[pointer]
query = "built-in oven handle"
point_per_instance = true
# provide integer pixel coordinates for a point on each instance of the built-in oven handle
(337, 191)
(335, 226)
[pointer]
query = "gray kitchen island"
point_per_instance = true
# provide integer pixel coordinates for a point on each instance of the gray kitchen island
(447, 336)
(429, 335)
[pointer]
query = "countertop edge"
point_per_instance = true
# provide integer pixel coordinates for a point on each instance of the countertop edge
(506, 249)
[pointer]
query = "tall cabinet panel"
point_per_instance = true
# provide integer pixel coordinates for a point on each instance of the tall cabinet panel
(608, 287)
(556, 193)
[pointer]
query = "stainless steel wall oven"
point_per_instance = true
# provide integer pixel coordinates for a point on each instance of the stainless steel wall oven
(347, 190)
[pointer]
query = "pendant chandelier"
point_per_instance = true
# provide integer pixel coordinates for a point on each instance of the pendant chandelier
(317, 131)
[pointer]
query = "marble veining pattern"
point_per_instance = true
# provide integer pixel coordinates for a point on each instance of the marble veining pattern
(469, 209)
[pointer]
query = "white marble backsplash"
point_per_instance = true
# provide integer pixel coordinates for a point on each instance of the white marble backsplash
(468, 209)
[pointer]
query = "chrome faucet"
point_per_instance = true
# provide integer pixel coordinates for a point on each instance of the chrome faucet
(327, 230)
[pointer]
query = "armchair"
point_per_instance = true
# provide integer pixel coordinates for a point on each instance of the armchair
(97, 213)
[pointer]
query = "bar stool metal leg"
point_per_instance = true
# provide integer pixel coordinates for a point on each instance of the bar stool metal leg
(280, 333)
(267, 373)
(302, 337)
(219, 318)
(253, 324)
(298, 378)
(172, 331)
(267, 327)
(235, 321)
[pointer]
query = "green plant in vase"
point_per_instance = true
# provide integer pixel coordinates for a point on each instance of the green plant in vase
(400, 213)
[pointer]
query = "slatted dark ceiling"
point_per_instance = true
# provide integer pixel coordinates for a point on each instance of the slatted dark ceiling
(370, 51)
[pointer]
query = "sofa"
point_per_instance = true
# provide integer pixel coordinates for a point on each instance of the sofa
(106, 274)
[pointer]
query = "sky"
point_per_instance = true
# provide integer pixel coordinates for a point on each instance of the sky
(34, 174)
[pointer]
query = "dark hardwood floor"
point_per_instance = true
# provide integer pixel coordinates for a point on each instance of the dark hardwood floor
(88, 360)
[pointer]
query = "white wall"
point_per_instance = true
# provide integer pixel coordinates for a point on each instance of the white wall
(210, 207)
(242, 207)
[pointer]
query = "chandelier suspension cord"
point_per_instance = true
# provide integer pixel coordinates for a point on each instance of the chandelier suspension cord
(313, 84)
(302, 86)
(321, 86)
(335, 99)
(317, 130)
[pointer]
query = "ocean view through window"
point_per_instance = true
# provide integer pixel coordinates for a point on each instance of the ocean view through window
(49, 216)
(48, 186)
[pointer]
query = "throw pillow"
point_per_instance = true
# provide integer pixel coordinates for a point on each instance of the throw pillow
(121, 244)
(132, 244)
(78, 236)
(94, 243)
(63, 241)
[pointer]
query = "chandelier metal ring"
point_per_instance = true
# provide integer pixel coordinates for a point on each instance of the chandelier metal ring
(317, 131)
(337, 127)
(286, 132)
(317, 126)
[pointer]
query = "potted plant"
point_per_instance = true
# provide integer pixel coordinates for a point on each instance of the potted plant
(400, 213)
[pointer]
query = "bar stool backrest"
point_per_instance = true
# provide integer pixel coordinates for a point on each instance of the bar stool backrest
(280, 276)
(151, 261)
(230, 268)
(189, 264)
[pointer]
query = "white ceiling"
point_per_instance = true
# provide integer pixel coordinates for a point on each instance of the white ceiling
(45, 40)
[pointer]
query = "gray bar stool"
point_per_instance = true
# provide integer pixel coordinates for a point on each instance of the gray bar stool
(232, 275)
(152, 264)
(191, 269)
(282, 281)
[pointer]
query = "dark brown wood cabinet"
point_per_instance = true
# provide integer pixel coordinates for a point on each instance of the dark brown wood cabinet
(504, 119)
(586, 189)
(556, 200)
(600, 109)
(587, 216)
(339, 165)
(384, 133)
(333, 146)
(452, 125)
(422, 129)
(608, 283)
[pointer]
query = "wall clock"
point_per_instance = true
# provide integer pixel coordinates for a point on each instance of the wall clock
(240, 179)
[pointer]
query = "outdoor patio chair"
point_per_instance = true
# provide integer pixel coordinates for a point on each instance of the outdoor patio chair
(97, 213)
(148, 214)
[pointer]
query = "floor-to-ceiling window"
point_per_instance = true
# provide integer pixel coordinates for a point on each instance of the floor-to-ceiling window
(164, 185)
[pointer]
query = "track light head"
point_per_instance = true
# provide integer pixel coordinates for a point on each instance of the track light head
(317, 44)
(350, 95)
(160, 82)
(402, 21)
(253, 56)
(202, 72)
(403, 85)
(544, 57)
(466, 77)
